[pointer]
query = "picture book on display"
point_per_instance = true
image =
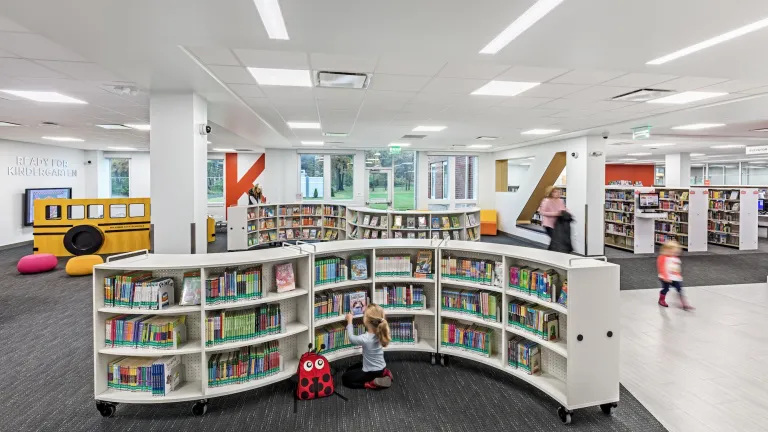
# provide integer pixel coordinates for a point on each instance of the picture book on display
(398, 234)
(284, 277)
(423, 264)
(374, 221)
(411, 235)
(422, 235)
(411, 222)
(330, 304)
(289, 234)
(455, 222)
(446, 222)
(190, 289)
(422, 222)
(383, 222)
(359, 267)
(366, 219)
(435, 222)
(367, 234)
(328, 234)
(446, 235)
(398, 222)
(375, 234)
(357, 303)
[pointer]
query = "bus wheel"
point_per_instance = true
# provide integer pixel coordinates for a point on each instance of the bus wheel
(83, 240)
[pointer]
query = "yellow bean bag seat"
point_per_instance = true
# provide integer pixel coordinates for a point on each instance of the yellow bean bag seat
(488, 222)
(83, 265)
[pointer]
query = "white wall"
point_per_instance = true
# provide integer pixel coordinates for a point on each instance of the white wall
(12, 190)
(516, 174)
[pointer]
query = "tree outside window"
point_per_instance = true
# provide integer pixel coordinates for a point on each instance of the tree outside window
(342, 177)
(216, 181)
(403, 165)
(119, 177)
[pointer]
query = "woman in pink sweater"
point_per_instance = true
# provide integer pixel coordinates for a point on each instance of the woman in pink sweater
(550, 208)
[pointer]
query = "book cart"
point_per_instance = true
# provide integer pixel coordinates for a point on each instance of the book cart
(579, 369)
(459, 224)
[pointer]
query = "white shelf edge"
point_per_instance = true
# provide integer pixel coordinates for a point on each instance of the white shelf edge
(396, 279)
(554, 306)
(290, 330)
(191, 347)
(558, 347)
(270, 297)
(471, 285)
(471, 318)
(173, 310)
(189, 390)
(289, 369)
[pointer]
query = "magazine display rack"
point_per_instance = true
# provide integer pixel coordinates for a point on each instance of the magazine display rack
(579, 368)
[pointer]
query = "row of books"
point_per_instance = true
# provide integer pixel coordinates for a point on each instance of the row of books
(252, 227)
(400, 265)
(524, 354)
(138, 290)
(242, 324)
(663, 238)
(234, 285)
(673, 206)
(671, 227)
(371, 233)
(159, 375)
(725, 206)
(619, 217)
(474, 270)
(473, 338)
(289, 211)
(410, 222)
(476, 303)
(620, 195)
(298, 222)
(612, 228)
(616, 206)
(724, 239)
(544, 284)
(403, 330)
(311, 210)
(334, 269)
(331, 222)
(338, 303)
(266, 212)
(472, 219)
(375, 221)
(334, 336)
(400, 297)
(145, 331)
(263, 237)
(723, 194)
(267, 224)
(330, 210)
(674, 195)
(724, 227)
(534, 318)
(245, 364)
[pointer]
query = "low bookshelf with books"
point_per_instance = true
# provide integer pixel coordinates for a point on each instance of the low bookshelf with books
(732, 217)
(186, 328)
(458, 224)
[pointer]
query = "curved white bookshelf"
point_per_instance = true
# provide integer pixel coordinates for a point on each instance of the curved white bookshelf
(579, 369)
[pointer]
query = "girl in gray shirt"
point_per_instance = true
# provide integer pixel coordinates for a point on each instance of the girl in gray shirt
(372, 372)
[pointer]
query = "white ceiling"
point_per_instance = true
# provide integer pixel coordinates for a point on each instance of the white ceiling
(423, 56)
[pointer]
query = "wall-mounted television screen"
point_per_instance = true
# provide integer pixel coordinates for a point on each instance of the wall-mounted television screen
(30, 195)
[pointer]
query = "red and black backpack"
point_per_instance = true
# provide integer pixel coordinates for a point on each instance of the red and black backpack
(315, 377)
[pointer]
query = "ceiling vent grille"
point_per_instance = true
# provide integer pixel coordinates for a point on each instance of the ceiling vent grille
(413, 137)
(642, 95)
(243, 150)
(346, 80)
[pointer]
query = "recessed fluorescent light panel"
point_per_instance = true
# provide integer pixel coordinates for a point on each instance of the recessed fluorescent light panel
(760, 130)
(281, 77)
(62, 139)
(335, 134)
(399, 144)
(698, 154)
(8, 124)
(479, 146)
(428, 128)
(639, 154)
(686, 97)
(272, 17)
(520, 25)
(44, 96)
(113, 127)
(139, 126)
(628, 159)
(504, 88)
(540, 131)
(728, 146)
(741, 31)
(659, 145)
(303, 125)
(312, 143)
(699, 126)
(121, 148)
(224, 150)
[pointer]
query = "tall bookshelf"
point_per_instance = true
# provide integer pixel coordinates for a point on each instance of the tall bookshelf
(732, 217)
(686, 218)
(578, 369)
(620, 218)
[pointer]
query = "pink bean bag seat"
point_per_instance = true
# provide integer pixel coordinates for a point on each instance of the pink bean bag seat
(37, 263)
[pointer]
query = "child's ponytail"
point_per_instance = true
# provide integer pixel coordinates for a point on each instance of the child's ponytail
(374, 317)
(382, 332)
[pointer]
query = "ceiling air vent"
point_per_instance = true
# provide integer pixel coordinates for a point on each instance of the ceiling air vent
(622, 143)
(49, 125)
(642, 95)
(243, 150)
(346, 80)
(413, 137)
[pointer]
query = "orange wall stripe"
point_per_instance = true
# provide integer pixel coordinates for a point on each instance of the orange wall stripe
(235, 188)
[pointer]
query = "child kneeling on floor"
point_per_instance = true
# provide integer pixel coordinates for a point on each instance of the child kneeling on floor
(372, 373)
(670, 273)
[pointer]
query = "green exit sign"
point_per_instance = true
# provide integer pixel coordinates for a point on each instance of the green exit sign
(395, 150)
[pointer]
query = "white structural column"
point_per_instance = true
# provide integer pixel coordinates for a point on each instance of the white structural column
(677, 170)
(178, 158)
(586, 194)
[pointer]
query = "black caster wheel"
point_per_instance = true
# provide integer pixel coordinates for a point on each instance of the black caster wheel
(432, 359)
(106, 409)
(444, 360)
(565, 415)
(607, 408)
(200, 408)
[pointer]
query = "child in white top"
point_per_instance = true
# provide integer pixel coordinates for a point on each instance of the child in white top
(372, 373)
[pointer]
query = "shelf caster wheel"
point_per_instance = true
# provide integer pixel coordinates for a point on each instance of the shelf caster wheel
(444, 360)
(200, 408)
(433, 360)
(106, 409)
(607, 408)
(565, 415)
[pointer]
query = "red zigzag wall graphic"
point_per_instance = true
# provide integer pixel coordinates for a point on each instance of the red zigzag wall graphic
(235, 188)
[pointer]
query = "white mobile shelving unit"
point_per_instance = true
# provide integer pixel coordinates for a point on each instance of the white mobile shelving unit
(578, 370)
(462, 224)
(732, 216)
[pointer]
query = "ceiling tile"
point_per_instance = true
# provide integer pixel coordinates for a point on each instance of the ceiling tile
(468, 69)
(531, 74)
(338, 104)
(453, 85)
(354, 95)
(600, 93)
(233, 74)
(297, 112)
(258, 103)
(407, 65)
(387, 100)
(759, 90)
(33, 46)
(273, 59)
(342, 63)
(7, 54)
(587, 76)
(7, 25)
(734, 86)
(25, 68)
(689, 83)
(606, 105)
(524, 102)
(80, 70)
(215, 56)
(639, 80)
(547, 90)
(246, 90)
(397, 82)
(277, 93)
(565, 104)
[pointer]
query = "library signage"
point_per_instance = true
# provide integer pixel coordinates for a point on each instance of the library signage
(757, 150)
(41, 167)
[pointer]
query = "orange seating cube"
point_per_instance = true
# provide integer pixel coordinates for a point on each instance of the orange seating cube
(488, 224)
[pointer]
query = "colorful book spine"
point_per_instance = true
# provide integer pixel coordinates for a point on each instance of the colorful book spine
(240, 325)
(335, 337)
(145, 331)
(236, 285)
(400, 296)
(330, 270)
(393, 266)
(478, 340)
(244, 365)
(532, 318)
(467, 269)
(477, 303)
(328, 305)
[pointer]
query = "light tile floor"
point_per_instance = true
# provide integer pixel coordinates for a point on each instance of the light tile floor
(699, 371)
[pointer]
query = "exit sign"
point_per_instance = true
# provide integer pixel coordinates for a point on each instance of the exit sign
(642, 132)
(395, 150)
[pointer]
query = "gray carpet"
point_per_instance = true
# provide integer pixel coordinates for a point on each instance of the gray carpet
(47, 366)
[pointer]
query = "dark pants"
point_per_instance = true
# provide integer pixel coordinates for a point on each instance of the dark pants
(676, 284)
(355, 378)
(550, 231)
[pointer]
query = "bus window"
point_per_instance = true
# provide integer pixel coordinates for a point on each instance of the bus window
(75, 212)
(53, 212)
(117, 210)
(136, 210)
(95, 211)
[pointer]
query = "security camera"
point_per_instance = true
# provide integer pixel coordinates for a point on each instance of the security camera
(605, 135)
(205, 129)
(575, 155)
(596, 154)
(89, 162)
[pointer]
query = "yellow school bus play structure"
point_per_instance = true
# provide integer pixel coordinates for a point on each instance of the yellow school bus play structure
(67, 227)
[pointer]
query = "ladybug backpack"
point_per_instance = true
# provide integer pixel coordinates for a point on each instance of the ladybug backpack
(315, 378)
